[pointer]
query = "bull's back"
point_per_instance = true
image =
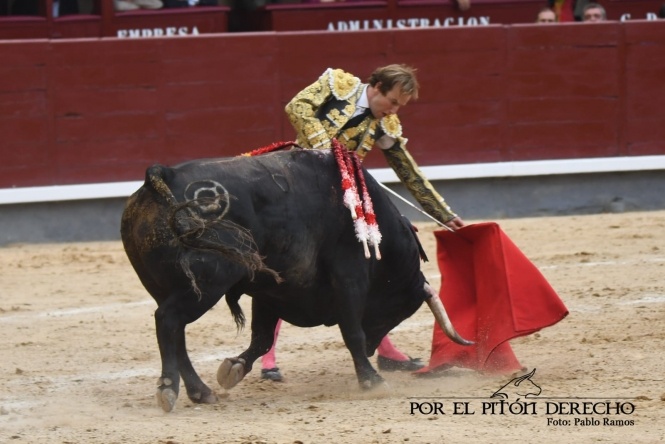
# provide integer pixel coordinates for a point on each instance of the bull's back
(283, 198)
(299, 181)
(287, 201)
(290, 203)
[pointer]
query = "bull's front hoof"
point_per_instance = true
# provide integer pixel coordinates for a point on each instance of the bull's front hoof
(166, 398)
(208, 397)
(373, 382)
(231, 372)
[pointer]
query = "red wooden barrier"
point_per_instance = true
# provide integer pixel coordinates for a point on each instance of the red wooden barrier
(84, 111)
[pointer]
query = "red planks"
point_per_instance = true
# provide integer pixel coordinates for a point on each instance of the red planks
(96, 111)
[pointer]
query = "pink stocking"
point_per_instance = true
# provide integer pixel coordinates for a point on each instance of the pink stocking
(269, 360)
(388, 350)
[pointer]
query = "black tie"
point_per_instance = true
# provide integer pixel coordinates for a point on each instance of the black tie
(355, 121)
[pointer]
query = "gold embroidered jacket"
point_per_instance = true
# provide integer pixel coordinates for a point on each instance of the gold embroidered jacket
(320, 112)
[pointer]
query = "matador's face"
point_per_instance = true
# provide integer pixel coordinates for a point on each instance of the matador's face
(383, 105)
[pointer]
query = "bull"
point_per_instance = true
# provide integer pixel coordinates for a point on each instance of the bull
(273, 227)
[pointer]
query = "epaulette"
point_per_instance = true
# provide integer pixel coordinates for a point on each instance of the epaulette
(391, 126)
(342, 84)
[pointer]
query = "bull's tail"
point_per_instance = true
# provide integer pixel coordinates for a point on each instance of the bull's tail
(199, 225)
(232, 298)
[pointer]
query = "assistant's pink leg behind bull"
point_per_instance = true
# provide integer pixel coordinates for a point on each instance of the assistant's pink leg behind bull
(386, 349)
(268, 360)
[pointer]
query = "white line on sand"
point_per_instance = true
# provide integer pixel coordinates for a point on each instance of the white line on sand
(74, 311)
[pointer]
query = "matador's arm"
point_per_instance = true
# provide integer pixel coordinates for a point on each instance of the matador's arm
(394, 149)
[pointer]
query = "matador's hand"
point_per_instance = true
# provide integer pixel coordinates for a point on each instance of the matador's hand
(455, 223)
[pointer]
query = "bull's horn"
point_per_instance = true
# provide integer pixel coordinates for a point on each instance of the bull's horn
(442, 317)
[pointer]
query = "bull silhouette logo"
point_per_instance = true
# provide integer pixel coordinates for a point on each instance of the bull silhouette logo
(521, 387)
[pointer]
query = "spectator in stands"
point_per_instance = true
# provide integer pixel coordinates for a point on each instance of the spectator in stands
(65, 7)
(563, 9)
(21, 7)
(568, 10)
(132, 5)
(463, 5)
(546, 15)
(593, 12)
(578, 9)
(661, 11)
(188, 3)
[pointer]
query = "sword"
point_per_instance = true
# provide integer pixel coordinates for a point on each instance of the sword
(416, 208)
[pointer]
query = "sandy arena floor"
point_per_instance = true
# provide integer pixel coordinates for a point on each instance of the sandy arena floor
(80, 359)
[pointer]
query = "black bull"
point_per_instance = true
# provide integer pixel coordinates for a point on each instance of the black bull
(273, 227)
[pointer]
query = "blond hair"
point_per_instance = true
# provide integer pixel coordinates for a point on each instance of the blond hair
(395, 75)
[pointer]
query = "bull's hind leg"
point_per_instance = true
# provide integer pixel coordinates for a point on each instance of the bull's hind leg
(171, 318)
(264, 321)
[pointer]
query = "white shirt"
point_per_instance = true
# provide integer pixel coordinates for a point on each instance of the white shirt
(362, 104)
(385, 141)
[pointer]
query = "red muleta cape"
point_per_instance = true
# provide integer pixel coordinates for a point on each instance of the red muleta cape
(492, 294)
